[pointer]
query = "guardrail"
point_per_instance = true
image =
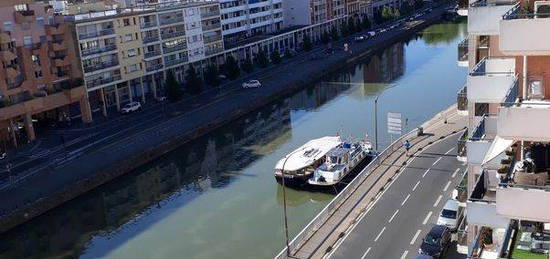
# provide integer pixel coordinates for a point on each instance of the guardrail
(322, 216)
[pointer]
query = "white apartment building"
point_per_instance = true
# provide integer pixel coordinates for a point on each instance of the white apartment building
(507, 147)
(243, 19)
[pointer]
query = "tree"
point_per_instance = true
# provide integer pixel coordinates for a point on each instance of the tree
(247, 65)
(396, 14)
(262, 59)
(231, 68)
(212, 76)
(418, 4)
(365, 23)
(193, 81)
(351, 25)
(334, 33)
(325, 37)
(275, 57)
(172, 87)
(288, 54)
(344, 29)
(387, 13)
(406, 8)
(307, 43)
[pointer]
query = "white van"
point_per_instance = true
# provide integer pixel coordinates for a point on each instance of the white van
(450, 215)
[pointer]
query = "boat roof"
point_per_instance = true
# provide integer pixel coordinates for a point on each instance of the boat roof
(339, 151)
(308, 153)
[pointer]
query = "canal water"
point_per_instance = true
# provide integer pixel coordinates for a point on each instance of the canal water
(216, 197)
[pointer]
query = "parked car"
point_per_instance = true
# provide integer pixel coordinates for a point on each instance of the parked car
(371, 33)
(161, 98)
(360, 38)
(436, 242)
(131, 107)
(450, 215)
(252, 84)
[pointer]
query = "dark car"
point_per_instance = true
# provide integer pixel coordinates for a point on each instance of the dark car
(423, 257)
(436, 242)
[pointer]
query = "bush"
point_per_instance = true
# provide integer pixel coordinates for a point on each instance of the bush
(212, 76)
(172, 87)
(231, 68)
(307, 43)
(192, 80)
(334, 33)
(366, 23)
(263, 61)
(247, 65)
(287, 53)
(325, 37)
(275, 57)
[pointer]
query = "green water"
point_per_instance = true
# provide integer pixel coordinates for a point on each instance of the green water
(216, 197)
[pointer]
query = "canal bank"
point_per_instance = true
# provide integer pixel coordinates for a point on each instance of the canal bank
(215, 197)
(91, 170)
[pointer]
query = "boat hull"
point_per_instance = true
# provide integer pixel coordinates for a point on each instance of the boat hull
(349, 176)
(293, 181)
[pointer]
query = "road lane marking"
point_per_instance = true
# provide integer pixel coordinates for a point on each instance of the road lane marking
(416, 185)
(438, 200)
(379, 234)
(427, 218)
(404, 255)
(405, 200)
(393, 216)
(424, 175)
(437, 161)
(455, 172)
(447, 186)
(413, 240)
(365, 254)
(450, 150)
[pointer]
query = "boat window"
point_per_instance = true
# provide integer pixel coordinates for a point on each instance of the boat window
(334, 159)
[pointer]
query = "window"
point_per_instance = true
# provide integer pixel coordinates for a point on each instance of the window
(36, 59)
(8, 26)
(40, 21)
(27, 40)
(128, 37)
(132, 68)
(132, 53)
(126, 22)
(38, 74)
(21, 7)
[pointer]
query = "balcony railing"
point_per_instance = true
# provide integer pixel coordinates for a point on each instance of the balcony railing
(102, 81)
(92, 51)
(152, 54)
(17, 81)
(175, 48)
(479, 130)
(171, 20)
(103, 32)
(211, 27)
(100, 66)
(462, 99)
(461, 144)
(146, 25)
(212, 38)
(512, 95)
(463, 50)
(170, 35)
(210, 14)
(148, 39)
(175, 61)
(154, 67)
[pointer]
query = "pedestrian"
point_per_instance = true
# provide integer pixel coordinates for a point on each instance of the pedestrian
(407, 146)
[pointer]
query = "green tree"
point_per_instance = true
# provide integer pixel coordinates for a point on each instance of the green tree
(307, 43)
(193, 82)
(247, 65)
(231, 68)
(351, 25)
(288, 54)
(334, 33)
(262, 59)
(418, 4)
(212, 76)
(344, 29)
(406, 8)
(325, 37)
(396, 14)
(365, 23)
(172, 87)
(387, 13)
(275, 57)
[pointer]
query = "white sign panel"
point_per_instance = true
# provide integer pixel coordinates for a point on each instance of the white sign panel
(394, 123)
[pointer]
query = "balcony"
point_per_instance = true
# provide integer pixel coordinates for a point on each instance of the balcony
(491, 79)
(146, 25)
(103, 32)
(102, 81)
(171, 20)
(484, 16)
(154, 67)
(60, 46)
(61, 61)
(211, 39)
(481, 139)
(100, 66)
(175, 48)
(174, 34)
(206, 15)
(462, 101)
(173, 62)
(482, 205)
(524, 34)
(149, 39)
(56, 29)
(93, 51)
(463, 53)
(24, 16)
(152, 54)
(461, 150)
(492, 242)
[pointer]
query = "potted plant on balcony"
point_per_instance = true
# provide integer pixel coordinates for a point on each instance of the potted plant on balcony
(487, 238)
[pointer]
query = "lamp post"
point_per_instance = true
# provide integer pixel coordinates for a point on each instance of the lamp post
(376, 116)
(284, 203)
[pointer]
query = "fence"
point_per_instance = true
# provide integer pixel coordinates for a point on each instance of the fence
(342, 196)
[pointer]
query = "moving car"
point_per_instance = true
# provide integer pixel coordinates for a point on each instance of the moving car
(450, 215)
(436, 242)
(371, 33)
(131, 107)
(252, 84)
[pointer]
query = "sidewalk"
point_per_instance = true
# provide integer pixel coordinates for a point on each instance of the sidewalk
(318, 243)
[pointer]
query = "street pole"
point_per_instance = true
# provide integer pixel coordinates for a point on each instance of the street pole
(284, 204)
(376, 124)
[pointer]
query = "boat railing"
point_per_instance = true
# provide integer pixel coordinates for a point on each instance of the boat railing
(318, 221)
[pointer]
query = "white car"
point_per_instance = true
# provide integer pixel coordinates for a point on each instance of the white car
(252, 84)
(131, 107)
(450, 215)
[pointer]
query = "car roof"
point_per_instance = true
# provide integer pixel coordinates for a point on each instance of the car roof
(451, 205)
(423, 257)
(437, 230)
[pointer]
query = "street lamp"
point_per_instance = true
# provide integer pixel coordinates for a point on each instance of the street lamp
(284, 203)
(376, 116)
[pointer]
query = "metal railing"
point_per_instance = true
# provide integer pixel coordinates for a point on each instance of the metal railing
(102, 81)
(512, 95)
(171, 20)
(210, 14)
(463, 50)
(483, 3)
(146, 25)
(327, 211)
(479, 130)
(103, 32)
(212, 38)
(509, 236)
(461, 144)
(154, 67)
(169, 35)
(175, 61)
(152, 54)
(100, 66)
(87, 52)
(148, 39)
(462, 99)
(175, 48)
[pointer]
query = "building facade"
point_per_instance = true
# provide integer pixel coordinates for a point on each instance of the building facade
(41, 84)
(506, 99)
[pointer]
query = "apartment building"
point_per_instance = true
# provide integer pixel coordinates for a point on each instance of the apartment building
(126, 53)
(40, 82)
(243, 19)
(507, 101)
(308, 12)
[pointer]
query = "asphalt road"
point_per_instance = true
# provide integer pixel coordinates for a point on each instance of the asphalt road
(406, 211)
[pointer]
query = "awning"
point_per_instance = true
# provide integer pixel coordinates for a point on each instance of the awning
(498, 146)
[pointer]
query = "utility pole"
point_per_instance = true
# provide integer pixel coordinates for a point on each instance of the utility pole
(376, 124)
(284, 203)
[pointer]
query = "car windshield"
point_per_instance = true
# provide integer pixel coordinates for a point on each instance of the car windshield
(450, 214)
(431, 240)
